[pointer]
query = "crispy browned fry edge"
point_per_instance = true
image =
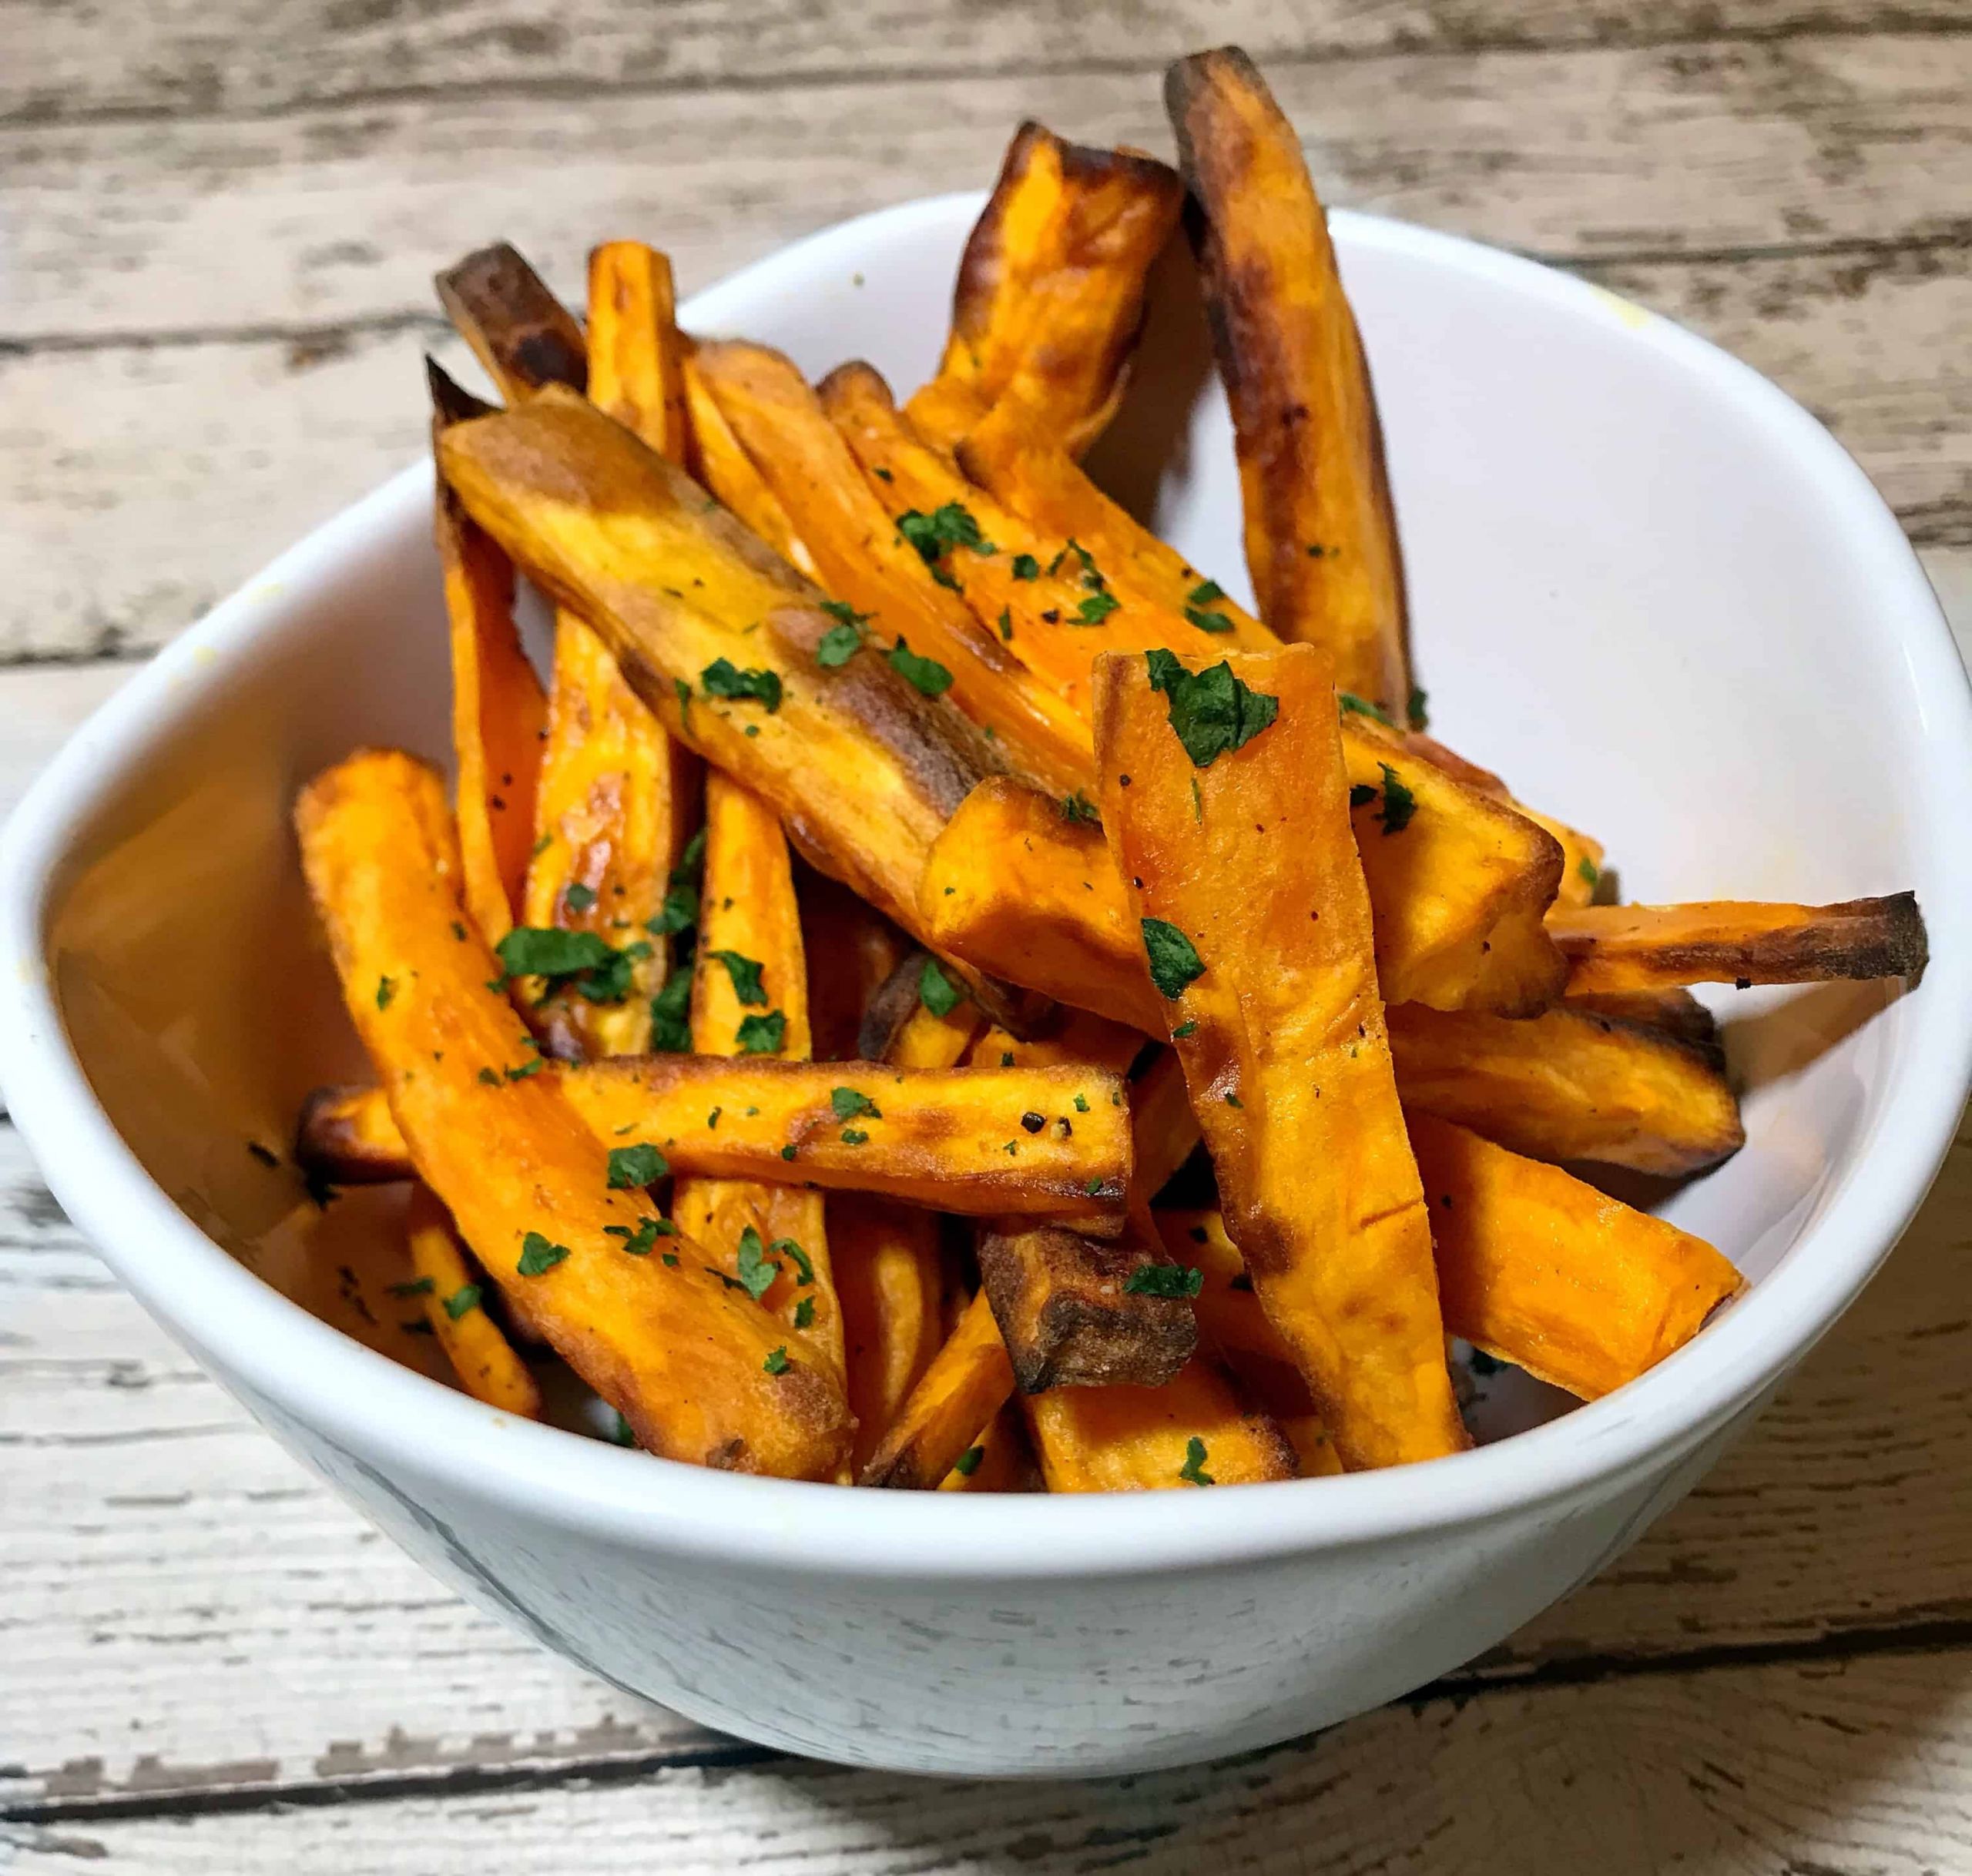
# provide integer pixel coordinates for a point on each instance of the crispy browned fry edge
(748, 912)
(700, 1372)
(498, 708)
(851, 950)
(1229, 1315)
(889, 1278)
(346, 1135)
(862, 769)
(1321, 535)
(1163, 1131)
(1611, 948)
(481, 1356)
(865, 563)
(1538, 1268)
(900, 1027)
(941, 1136)
(1197, 1430)
(1049, 299)
(1676, 1011)
(968, 1382)
(518, 329)
(1569, 1084)
(1250, 862)
(636, 353)
(1068, 1317)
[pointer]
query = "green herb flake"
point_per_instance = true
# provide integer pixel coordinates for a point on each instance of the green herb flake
(762, 1035)
(638, 1243)
(633, 1167)
(804, 1265)
(1347, 702)
(837, 646)
(670, 1017)
(596, 970)
(721, 677)
(621, 1432)
(849, 1102)
(539, 1254)
(1026, 566)
(1093, 1188)
(1590, 873)
(1184, 1029)
(1192, 1472)
(968, 1461)
(925, 675)
(1233, 1100)
(1173, 959)
(1211, 711)
(525, 1070)
(777, 1363)
(578, 898)
(417, 1286)
(1207, 621)
(1082, 1104)
(1167, 1280)
(670, 1259)
(1095, 609)
(1077, 807)
(1007, 623)
(1399, 803)
(465, 1298)
(745, 972)
(417, 1326)
(1414, 708)
(853, 1137)
(386, 988)
(787, 1153)
(1362, 794)
(540, 847)
(951, 525)
(489, 1078)
(804, 1313)
(1207, 592)
(458, 931)
(757, 1270)
(936, 992)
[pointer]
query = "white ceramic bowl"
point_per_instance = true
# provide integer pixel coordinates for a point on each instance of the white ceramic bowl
(1646, 585)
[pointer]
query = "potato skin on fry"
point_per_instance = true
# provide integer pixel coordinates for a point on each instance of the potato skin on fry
(1250, 863)
(1321, 533)
(518, 330)
(1540, 1269)
(1068, 1318)
(1620, 948)
(682, 1357)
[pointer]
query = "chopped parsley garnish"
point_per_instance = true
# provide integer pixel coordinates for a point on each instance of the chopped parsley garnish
(853, 1137)
(925, 674)
(1096, 608)
(1207, 621)
(844, 614)
(465, 1298)
(1169, 1279)
(777, 1363)
(1077, 807)
(1094, 1187)
(804, 1313)
(757, 1270)
(951, 525)
(1347, 701)
(670, 1260)
(762, 1035)
(804, 1263)
(1591, 874)
(1207, 592)
(1173, 959)
(1007, 623)
(721, 677)
(458, 931)
(1399, 803)
(1414, 709)
(1082, 1104)
(848, 1103)
(417, 1326)
(1026, 566)
(540, 846)
(670, 1014)
(487, 1076)
(621, 1433)
(578, 898)
(1362, 794)
(837, 646)
(538, 1253)
(787, 1152)
(1211, 712)
(632, 1168)
(521, 1074)
(968, 1461)
(1184, 1029)
(638, 1243)
(745, 972)
(1192, 1472)
(417, 1286)
(386, 988)
(581, 961)
(936, 992)
(1233, 1100)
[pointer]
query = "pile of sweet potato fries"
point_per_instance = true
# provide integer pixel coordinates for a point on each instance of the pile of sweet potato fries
(794, 1015)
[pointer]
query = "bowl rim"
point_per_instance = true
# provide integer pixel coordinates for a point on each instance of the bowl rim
(361, 1400)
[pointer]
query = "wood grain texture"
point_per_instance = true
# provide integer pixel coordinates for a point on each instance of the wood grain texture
(203, 460)
(1831, 1768)
(177, 57)
(291, 223)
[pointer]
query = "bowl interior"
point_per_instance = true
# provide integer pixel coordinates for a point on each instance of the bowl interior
(1639, 589)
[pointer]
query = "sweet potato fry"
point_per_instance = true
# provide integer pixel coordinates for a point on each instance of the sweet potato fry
(889, 1278)
(1537, 1268)
(1163, 1131)
(980, 1141)
(1000, 1460)
(1077, 1036)
(1076, 1314)
(750, 998)
(498, 708)
(636, 355)
(480, 1355)
(719, 638)
(1321, 533)
(1195, 1430)
(900, 1026)
(1569, 1084)
(1050, 296)
(1242, 866)
(1229, 1315)
(968, 1382)
(1653, 947)
(852, 949)
(885, 584)
(718, 461)
(700, 1372)
(347, 1136)
(1676, 1011)
(518, 329)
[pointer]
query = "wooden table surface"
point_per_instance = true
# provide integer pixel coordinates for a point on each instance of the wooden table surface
(218, 220)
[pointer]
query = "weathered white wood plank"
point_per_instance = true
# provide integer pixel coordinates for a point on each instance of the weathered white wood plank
(1834, 1769)
(139, 483)
(336, 214)
(187, 1611)
(179, 57)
